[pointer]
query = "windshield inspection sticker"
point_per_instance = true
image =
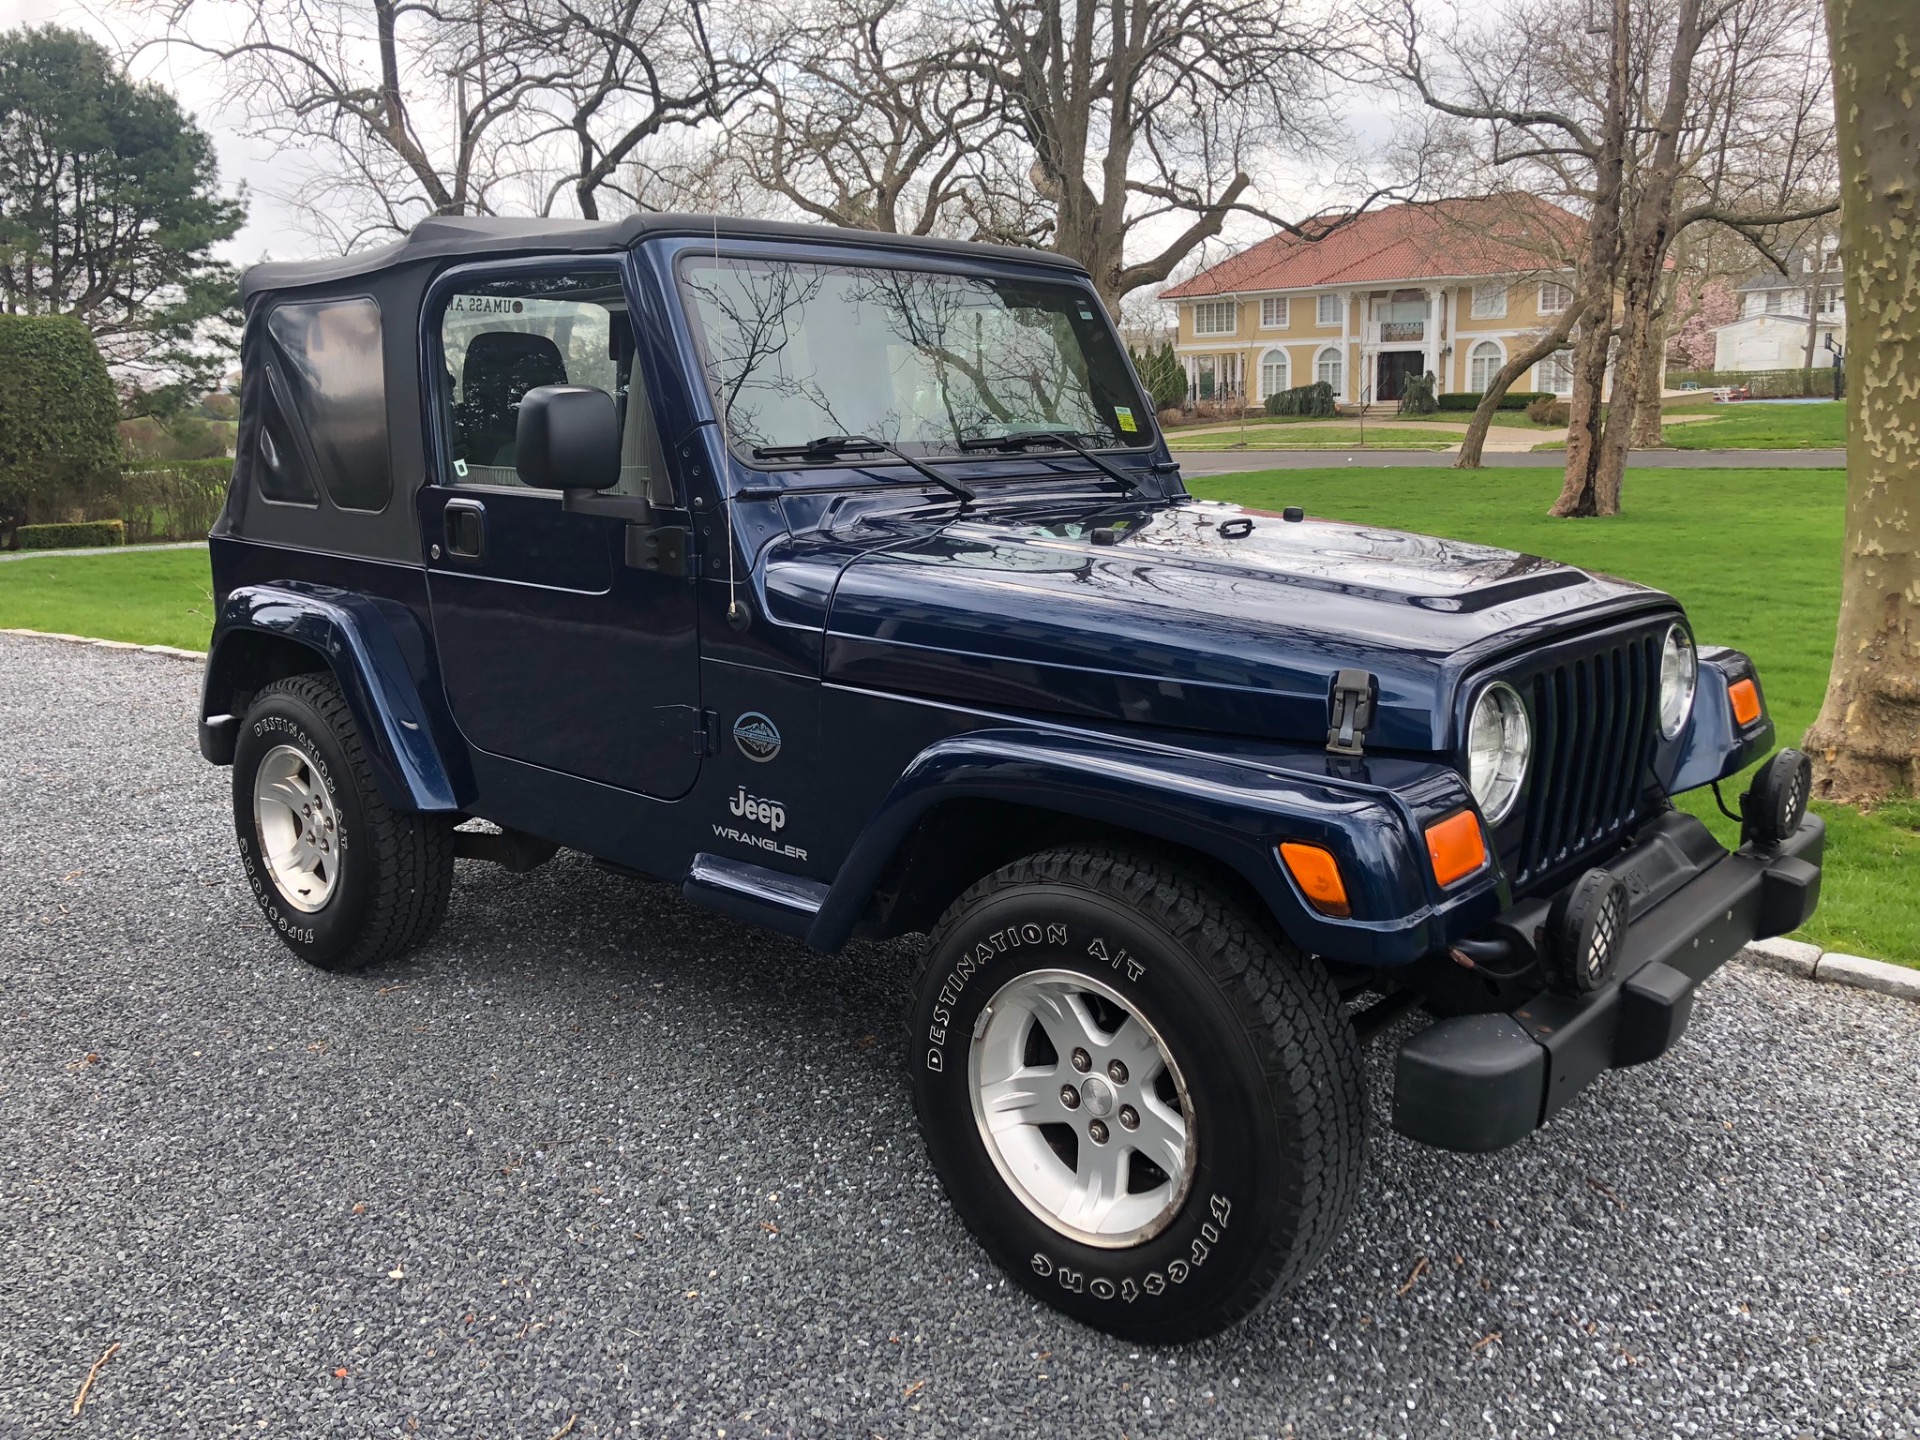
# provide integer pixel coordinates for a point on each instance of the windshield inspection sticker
(1124, 415)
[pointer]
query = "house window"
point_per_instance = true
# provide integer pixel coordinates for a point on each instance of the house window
(1555, 297)
(1489, 302)
(1776, 301)
(1213, 317)
(1327, 310)
(1273, 313)
(1555, 373)
(1829, 301)
(1275, 374)
(1483, 363)
(1326, 369)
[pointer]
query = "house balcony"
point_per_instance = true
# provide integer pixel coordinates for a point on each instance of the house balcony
(1395, 332)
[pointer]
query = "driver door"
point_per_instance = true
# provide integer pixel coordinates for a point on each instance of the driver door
(554, 651)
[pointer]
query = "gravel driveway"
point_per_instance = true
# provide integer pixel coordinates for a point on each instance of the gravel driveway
(598, 1159)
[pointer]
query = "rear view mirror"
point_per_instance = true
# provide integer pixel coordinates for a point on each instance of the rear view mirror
(568, 438)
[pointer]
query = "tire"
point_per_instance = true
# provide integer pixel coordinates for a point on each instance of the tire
(379, 878)
(1123, 957)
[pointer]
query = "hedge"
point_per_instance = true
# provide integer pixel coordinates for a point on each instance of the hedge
(172, 499)
(58, 412)
(1314, 399)
(1470, 399)
(1772, 384)
(80, 535)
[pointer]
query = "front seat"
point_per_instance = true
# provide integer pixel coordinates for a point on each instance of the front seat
(501, 367)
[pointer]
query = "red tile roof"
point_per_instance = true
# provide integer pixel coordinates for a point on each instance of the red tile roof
(1434, 240)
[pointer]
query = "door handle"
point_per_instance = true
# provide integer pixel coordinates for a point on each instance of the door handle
(464, 523)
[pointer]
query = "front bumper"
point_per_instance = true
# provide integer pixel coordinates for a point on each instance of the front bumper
(1480, 1082)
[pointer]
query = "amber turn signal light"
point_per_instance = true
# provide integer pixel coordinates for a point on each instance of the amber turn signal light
(1745, 696)
(1317, 874)
(1456, 847)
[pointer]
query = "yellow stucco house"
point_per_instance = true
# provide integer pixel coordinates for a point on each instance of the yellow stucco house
(1447, 287)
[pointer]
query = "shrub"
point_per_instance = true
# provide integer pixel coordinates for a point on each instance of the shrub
(1768, 384)
(172, 500)
(1314, 399)
(80, 535)
(1470, 399)
(1546, 410)
(1418, 397)
(58, 447)
(1162, 374)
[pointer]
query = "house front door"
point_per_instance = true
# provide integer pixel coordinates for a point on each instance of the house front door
(1395, 367)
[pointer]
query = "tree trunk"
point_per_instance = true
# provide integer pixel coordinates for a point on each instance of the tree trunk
(1644, 258)
(1470, 448)
(1647, 431)
(1866, 743)
(1577, 493)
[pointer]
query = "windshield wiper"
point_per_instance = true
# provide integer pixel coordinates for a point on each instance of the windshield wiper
(832, 447)
(1073, 440)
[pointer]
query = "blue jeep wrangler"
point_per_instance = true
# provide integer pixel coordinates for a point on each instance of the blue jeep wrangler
(844, 581)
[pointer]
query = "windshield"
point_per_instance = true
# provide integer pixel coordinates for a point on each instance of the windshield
(919, 359)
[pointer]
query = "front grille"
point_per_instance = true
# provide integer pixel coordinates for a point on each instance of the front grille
(1593, 734)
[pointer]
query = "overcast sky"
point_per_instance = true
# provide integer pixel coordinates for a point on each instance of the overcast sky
(274, 231)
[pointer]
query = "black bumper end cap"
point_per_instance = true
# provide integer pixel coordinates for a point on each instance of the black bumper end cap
(1472, 1083)
(1789, 891)
(1655, 1004)
(218, 736)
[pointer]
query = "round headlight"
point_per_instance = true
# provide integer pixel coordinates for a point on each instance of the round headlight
(1499, 741)
(1679, 672)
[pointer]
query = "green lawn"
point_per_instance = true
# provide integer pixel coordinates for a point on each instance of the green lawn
(1753, 425)
(1755, 557)
(154, 597)
(1760, 425)
(1754, 554)
(1268, 435)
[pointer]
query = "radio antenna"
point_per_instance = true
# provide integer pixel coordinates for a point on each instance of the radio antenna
(737, 615)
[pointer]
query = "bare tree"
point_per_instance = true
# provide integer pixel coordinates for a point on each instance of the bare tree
(1147, 113)
(866, 115)
(1866, 742)
(1549, 343)
(1641, 122)
(453, 107)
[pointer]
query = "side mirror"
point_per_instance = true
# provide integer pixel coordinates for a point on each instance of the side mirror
(568, 439)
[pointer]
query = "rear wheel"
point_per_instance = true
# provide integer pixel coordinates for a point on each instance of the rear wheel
(1147, 1109)
(345, 880)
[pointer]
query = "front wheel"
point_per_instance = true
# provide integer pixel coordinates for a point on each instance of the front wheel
(1147, 1109)
(344, 879)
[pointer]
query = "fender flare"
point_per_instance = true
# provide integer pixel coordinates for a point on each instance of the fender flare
(1231, 809)
(375, 650)
(1714, 745)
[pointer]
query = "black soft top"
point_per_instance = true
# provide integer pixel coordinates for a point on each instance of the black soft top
(470, 236)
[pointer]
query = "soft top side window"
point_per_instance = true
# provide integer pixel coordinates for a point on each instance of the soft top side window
(326, 374)
(501, 338)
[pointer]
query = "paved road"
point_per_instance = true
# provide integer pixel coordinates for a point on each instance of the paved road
(1235, 462)
(596, 1154)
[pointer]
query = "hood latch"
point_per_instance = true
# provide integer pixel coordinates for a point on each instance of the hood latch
(1352, 712)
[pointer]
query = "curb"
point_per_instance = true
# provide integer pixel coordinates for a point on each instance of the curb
(1809, 962)
(1790, 957)
(170, 651)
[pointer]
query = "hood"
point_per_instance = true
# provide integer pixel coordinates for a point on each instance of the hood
(1197, 616)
